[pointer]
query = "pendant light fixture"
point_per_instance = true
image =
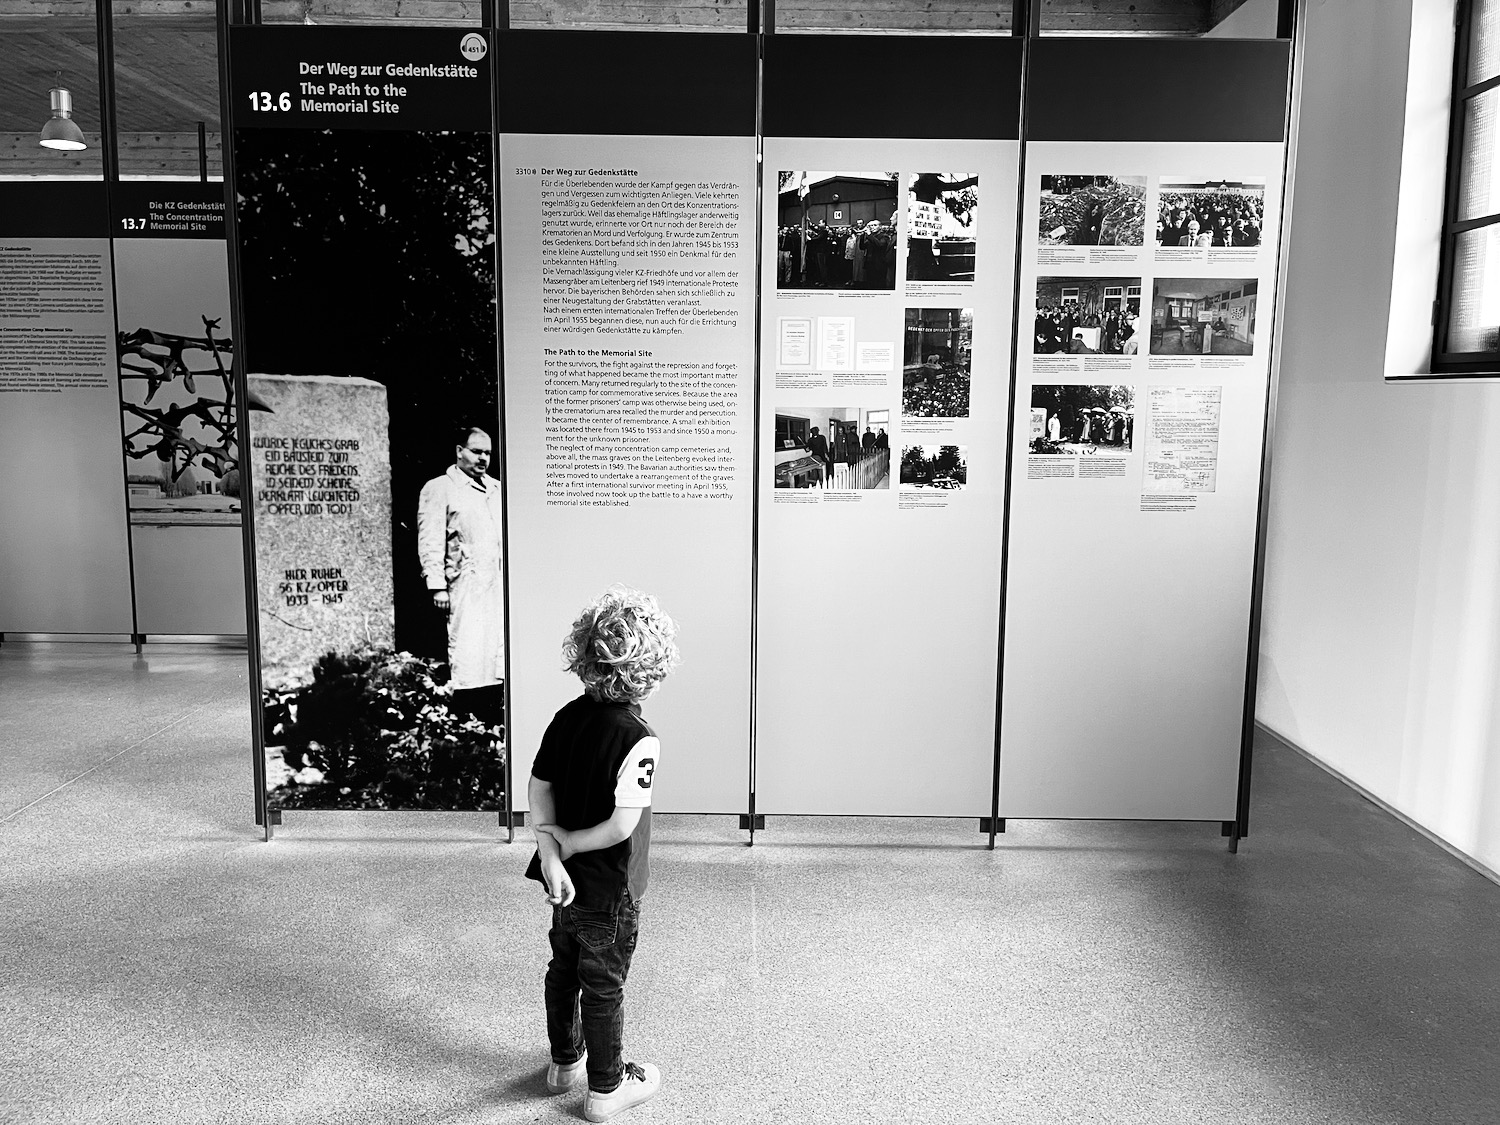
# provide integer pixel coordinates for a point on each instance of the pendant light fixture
(61, 131)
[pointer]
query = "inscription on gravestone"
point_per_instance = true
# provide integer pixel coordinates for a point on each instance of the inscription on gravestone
(320, 465)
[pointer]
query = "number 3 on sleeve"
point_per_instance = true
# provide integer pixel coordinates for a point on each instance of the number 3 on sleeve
(648, 765)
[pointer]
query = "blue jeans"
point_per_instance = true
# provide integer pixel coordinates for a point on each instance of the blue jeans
(585, 990)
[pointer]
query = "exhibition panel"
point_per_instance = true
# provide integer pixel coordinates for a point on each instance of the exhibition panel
(1149, 245)
(922, 564)
(64, 558)
(179, 407)
(628, 267)
(362, 166)
(887, 284)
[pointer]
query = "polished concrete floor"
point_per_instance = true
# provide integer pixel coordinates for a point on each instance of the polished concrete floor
(160, 963)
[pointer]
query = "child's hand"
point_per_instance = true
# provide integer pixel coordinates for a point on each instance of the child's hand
(559, 885)
(564, 838)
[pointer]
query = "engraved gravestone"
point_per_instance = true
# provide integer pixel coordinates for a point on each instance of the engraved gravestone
(320, 464)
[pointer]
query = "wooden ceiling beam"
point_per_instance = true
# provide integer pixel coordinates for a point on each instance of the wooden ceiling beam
(1161, 17)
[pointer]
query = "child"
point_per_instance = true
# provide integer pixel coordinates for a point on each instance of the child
(590, 795)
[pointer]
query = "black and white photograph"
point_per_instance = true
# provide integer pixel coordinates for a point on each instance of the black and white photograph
(832, 447)
(1087, 316)
(176, 362)
(937, 362)
(836, 230)
(942, 211)
(1210, 213)
(1203, 316)
(1081, 418)
(934, 468)
(1092, 211)
(368, 261)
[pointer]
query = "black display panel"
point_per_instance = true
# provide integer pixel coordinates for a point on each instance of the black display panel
(359, 78)
(674, 84)
(1219, 90)
(913, 87)
(168, 209)
(53, 209)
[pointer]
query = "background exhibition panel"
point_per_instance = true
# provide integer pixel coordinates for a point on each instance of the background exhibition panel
(628, 231)
(888, 310)
(363, 174)
(64, 558)
(177, 396)
(1138, 435)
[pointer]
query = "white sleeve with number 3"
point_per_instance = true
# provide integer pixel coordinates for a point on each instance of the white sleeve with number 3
(633, 785)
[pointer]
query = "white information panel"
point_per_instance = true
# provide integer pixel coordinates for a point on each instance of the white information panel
(1148, 285)
(887, 275)
(628, 271)
(64, 560)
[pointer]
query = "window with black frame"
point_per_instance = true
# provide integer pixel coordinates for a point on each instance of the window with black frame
(1466, 319)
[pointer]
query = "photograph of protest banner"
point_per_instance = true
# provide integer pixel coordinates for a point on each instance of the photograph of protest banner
(1221, 213)
(836, 230)
(1092, 211)
(368, 267)
(941, 227)
(939, 468)
(937, 362)
(1074, 418)
(1087, 316)
(832, 447)
(1203, 316)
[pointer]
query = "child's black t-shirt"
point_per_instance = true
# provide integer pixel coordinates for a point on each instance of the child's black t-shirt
(597, 755)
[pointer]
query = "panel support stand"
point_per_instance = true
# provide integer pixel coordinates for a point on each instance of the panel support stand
(985, 822)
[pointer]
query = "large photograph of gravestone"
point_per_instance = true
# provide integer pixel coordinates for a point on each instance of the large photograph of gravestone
(942, 209)
(937, 363)
(1203, 316)
(177, 389)
(1074, 418)
(1087, 316)
(368, 268)
(836, 230)
(1092, 211)
(1207, 213)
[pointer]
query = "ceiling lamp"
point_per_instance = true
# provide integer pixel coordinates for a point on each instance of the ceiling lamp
(61, 131)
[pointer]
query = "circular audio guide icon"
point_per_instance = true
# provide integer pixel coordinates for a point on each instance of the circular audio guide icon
(473, 46)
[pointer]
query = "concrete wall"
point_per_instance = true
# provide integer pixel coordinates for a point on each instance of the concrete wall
(1381, 645)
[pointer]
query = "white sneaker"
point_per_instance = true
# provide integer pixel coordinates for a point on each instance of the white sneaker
(641, 1082)
(561, 1076)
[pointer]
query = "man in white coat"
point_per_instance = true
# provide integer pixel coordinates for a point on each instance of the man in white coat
(458, 543)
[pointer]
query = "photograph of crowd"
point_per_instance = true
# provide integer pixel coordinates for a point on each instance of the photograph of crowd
(937, 362)
(941, 467)
(1080, 418)
(1223, 213)
(1093, 211)
(839, 447)
(940, 230)
(836, 230)
(1087, 316)
(1203, 316)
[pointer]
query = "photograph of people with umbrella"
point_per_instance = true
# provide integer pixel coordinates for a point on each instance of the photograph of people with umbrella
(1083, 419)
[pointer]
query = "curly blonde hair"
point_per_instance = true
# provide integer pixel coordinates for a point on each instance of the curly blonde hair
(621, 646)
